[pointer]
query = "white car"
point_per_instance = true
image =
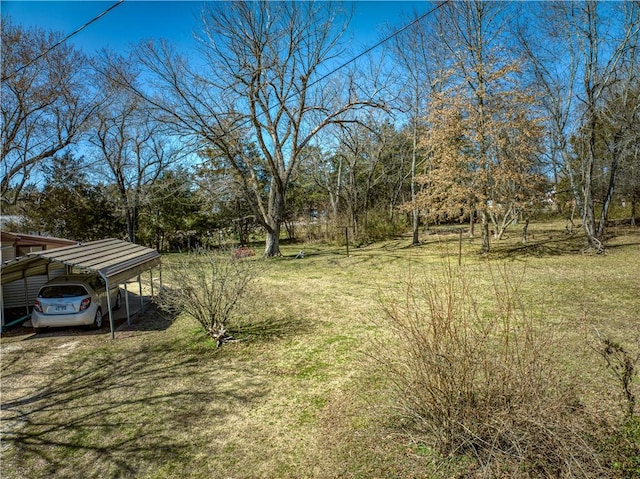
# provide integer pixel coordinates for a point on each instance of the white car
(73, 300)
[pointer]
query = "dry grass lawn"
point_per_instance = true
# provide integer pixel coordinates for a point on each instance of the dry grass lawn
(300, 395)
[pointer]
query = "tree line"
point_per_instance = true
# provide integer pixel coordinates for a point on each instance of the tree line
(482, 112)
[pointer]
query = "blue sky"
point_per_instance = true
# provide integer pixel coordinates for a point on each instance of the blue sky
(136, 20)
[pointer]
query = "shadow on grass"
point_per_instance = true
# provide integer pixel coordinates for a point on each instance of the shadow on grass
(270, 329)
(152, 319)
(148, 319)
(554, 246)
(543, 243)
(117, 412)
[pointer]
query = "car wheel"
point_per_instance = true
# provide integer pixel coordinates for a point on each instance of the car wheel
(97, 321)
(118, 301)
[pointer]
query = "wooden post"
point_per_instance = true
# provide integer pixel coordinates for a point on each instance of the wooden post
(460, 248)
(346, 237)
(107, 286)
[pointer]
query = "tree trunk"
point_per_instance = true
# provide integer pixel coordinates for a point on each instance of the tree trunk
(589, 222)
(592, 94)
(274, 220)
(334, 200)
(416, 224)
(132, 222)
(609, 195)
(525, 229)
(272, 243)
(486, 246)
(472, 224)
(496, 228)
(589, 215)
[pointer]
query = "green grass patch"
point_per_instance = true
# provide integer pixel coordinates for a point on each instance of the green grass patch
(298, 395)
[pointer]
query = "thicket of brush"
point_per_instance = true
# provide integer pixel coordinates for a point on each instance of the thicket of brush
(482, 379)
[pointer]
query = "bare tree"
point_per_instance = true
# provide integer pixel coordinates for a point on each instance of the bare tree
(595, 41)
(364, 161)
(618, 147)
(45, 104)
(419, 70)
(256, 99)
(624, 137)
(324, 168)
(131, 147)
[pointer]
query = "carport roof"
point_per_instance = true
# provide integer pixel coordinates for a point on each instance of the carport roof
(114, 259)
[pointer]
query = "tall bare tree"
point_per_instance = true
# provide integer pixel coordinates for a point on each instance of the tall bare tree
(419, 71)
(579, 53)
(132, 149)
(624, 137)
(45, 103)
(255, 98)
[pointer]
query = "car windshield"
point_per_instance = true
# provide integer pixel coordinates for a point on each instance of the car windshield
(63, 291)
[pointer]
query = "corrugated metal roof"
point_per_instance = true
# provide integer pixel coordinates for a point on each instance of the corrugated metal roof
(115, 259)
(25, 239)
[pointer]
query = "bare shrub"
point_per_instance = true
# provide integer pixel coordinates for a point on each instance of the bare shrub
(623, 364)
(477, 377)
(622, 444)
(209, 287)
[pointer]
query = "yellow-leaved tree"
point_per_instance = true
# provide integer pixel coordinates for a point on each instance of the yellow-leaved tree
(484, 139)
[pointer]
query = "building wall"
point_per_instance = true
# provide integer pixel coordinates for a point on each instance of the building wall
(13, 294)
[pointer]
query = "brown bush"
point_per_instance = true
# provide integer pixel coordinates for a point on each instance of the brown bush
(210, 287)
(479, 378)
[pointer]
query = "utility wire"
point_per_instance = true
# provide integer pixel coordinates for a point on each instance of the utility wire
(351, 60)
(33, 60)
(384, 40)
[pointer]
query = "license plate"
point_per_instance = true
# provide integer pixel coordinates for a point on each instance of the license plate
(61, 308)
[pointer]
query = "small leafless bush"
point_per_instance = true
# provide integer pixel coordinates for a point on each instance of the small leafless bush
(622, 444)
(623, 363)
(210, 287)
(479, 378)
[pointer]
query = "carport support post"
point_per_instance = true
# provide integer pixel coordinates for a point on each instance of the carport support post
(106, 281)
(126, 302)
(140, 289)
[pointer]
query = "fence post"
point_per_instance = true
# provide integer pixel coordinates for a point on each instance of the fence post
(346, 237)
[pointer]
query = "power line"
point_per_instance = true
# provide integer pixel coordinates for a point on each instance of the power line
(384, 40)
(351, 60)
(56, 45)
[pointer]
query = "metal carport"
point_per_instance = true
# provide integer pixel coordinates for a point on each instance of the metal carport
(113, 259)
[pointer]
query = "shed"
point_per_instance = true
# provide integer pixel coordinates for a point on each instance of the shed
(114, 260)
(17, 294)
